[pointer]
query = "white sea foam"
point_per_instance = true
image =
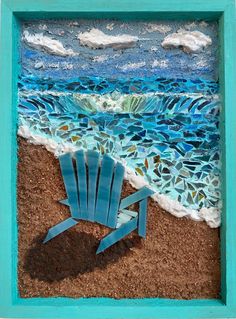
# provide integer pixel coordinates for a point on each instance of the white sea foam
(52, 146)
(189, 41)
(211, 216)
(42, 27)
(110, 26)
(41, 42)
(122, 103)
(115, 97)
(96, 39)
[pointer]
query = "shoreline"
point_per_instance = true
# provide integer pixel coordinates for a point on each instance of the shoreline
(212, 215)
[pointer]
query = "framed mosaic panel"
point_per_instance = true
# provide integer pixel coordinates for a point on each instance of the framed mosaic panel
(118, 117)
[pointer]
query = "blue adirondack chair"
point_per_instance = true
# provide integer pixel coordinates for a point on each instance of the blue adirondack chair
(93, 188)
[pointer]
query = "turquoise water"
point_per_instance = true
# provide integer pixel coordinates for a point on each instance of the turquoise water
(165, 134)
(101, 85)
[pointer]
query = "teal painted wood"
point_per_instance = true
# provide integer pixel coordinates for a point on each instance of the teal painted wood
(115, 195)
(10, 303)
(122, 5)
(59, 228)
(108, 193)
(166, 9)
(228, 135)
(70, 184)
(82, 184)
(104, 189)
(118, 234)
(93, 163)
(136, 197)
(108, 308)
(7, 163)
(142, 218)
(64, 202)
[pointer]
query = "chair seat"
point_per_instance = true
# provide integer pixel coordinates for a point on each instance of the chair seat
(124, 216)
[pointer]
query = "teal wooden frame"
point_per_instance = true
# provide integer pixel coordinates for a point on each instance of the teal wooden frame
(11, 305)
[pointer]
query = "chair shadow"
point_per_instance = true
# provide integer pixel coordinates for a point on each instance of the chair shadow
(72, 254)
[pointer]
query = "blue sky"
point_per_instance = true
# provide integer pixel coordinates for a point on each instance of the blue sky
(146, 59)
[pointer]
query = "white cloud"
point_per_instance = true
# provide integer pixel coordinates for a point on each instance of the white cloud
(96, 39)
(41, 42)
(188, 41)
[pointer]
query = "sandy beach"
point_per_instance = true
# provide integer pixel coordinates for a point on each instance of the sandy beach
(178, 259)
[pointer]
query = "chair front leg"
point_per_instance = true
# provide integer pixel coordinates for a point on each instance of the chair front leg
(60, 228)
(117, 235)
(142, 218)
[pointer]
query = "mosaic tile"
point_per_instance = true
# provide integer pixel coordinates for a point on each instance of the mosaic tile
(102, 85)
(174, 149)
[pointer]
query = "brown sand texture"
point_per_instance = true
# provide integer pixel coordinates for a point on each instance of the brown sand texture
(178, 259)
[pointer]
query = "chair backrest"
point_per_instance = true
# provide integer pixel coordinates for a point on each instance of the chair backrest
(93, 185)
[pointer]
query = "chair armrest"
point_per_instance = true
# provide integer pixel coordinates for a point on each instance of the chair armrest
(136, 197)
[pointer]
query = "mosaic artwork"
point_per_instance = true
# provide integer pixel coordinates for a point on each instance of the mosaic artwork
(145, 93)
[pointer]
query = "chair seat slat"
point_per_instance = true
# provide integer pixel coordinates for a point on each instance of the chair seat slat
(123, 218)
(130, 212)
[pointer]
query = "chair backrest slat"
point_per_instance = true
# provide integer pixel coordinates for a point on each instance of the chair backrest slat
(82, 184)
(93, 190)
(115, 195)
(93, 166)
(69, 178)
(104, 190)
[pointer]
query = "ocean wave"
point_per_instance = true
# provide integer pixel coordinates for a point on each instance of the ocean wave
(100, 85)
(60, 103)
(177, 154)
